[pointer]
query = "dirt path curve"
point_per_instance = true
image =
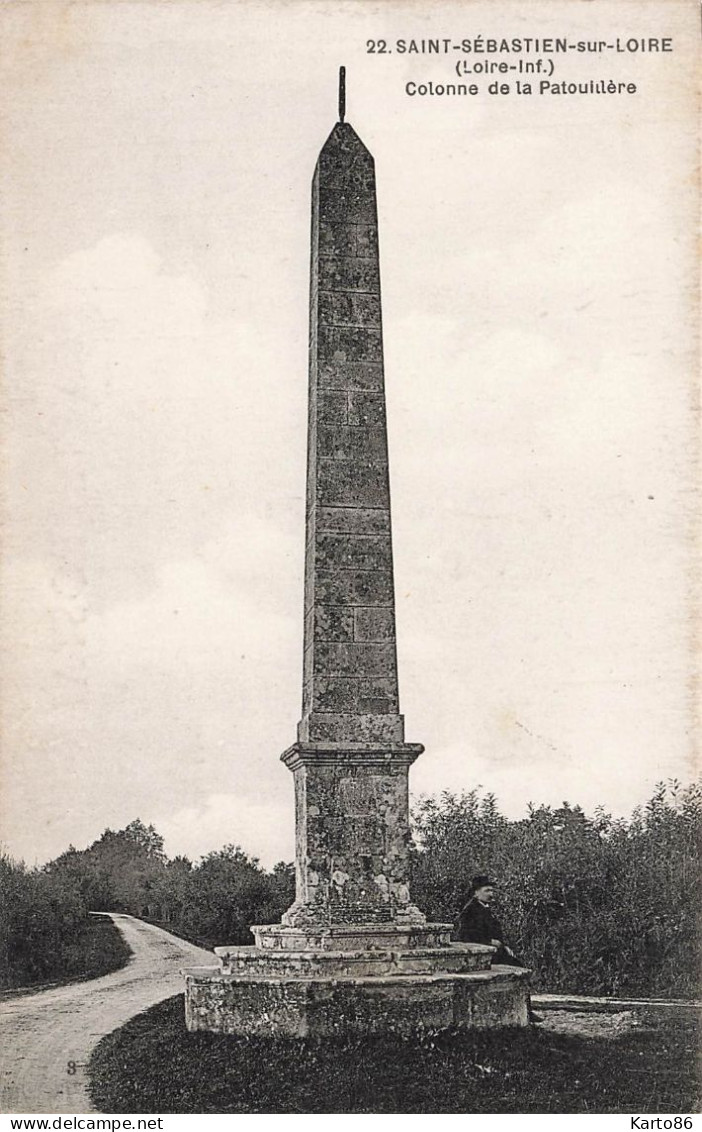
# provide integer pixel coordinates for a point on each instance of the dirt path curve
(41, 1033)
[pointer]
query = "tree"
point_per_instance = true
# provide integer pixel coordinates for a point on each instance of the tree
(592, 904)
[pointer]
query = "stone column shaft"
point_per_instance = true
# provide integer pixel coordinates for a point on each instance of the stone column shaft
(350, 691)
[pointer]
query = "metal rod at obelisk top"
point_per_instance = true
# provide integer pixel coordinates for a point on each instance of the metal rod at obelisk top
(342, 93)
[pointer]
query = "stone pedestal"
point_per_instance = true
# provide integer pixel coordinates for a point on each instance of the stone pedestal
(352, 834)
(320, 977)
(298, 1006)
(353, 953)
(354, 979)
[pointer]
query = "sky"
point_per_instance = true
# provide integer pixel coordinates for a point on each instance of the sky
(537, 264)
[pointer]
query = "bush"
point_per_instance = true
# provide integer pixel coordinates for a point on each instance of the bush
(216, 902)
(46, 932)
(593, 905)
(210, 903)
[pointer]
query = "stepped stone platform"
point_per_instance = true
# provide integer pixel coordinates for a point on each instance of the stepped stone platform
(354, 979)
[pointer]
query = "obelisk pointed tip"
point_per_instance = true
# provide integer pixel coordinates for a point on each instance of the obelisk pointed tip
(342, 93)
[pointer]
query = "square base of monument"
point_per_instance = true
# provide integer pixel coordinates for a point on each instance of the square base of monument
(317, 1007)
(259, 962)
(382, 936)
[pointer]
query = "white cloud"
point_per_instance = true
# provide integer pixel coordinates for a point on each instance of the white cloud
(262, 829)
(225, 602)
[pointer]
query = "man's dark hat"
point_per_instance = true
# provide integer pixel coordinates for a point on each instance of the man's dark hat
(482, 881)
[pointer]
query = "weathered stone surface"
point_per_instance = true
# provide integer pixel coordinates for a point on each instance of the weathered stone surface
(361, 445)
(352, 853)
(350, 344)
(351, 375)
(348, 272)
(332, 408)
(367, 241)
(373, 624)
(335, 241)
(372, 728)
(352, 520)
(335, 169)
(353, 587)
(383, 937)
(336, 658)
(333, 624)
(275, 962)
(354, 552)
(355, 696)
(499, 997)
(346, 206)
(345, 484)
(348, 308)
(301, 1007)
(366, 409)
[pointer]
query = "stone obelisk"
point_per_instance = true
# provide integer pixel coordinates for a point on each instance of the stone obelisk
(350, 761)
(352, 954)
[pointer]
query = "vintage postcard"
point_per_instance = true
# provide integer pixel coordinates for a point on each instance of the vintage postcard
(268, 268)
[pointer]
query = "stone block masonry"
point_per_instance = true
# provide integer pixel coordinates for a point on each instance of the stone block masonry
(328, 1007)
(349, 594)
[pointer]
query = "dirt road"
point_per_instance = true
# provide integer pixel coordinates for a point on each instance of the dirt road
(41, 1034)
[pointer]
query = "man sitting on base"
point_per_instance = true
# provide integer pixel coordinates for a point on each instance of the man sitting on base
(477, 923)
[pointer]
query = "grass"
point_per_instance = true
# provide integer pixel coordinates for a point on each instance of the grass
(98, 950)
(153, 1065)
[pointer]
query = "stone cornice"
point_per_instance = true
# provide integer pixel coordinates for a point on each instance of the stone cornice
(351, 754)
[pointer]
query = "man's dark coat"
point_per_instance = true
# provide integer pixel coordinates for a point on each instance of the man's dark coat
(478, 924)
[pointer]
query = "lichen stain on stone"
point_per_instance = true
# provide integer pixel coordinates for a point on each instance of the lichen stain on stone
(382, 883)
